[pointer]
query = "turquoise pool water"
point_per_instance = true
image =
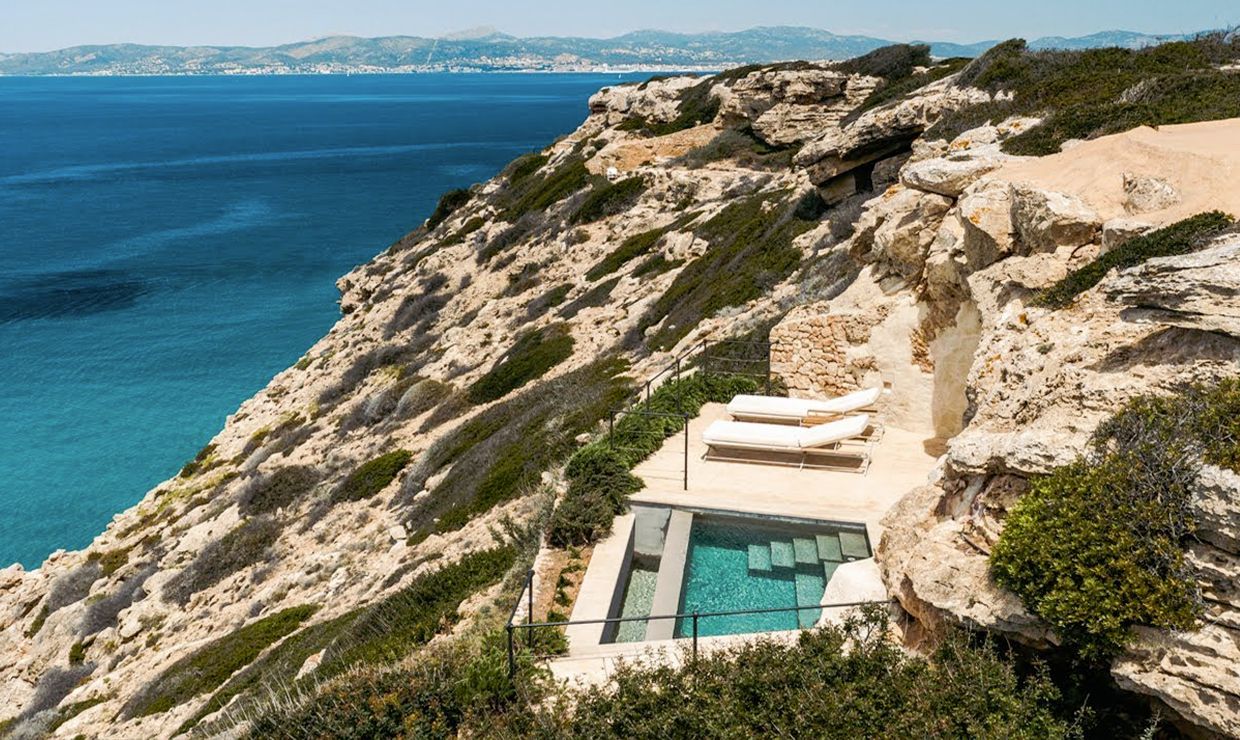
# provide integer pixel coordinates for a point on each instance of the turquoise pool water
(736, 564)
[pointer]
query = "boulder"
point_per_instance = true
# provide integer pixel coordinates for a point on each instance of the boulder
(1045, 220)
(902, 240)
(1119, 231)
(1196, 291)
(950, 175)
(1143, 193)
(986, 214)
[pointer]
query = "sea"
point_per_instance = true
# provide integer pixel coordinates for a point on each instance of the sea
(168, 244)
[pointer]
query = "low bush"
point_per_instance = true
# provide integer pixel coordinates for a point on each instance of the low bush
(655, 265)
(246, 545)
(372, 476)
(421, 397)
(523, 227)
(467, 228)
(77, 654)
(524, 166)
(200, 463)
(608, 198)
(742, 146)
(388, 355)
(598, 474)
(277, 490)
(409, 618)
(891, 91)
(892, 63)
(109, 561)
(547, 301)
(1182, 237)
(750, 252)
(448, 204)
(630, 249)
(534, 194)
(592, 298)
(502, 452)
(531, 356)
(1097, 546)
(1089, 93)
(209, 667)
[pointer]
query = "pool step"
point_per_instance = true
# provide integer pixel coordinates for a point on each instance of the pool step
(760, 558)
(809, 593)
(782, 554)
(828, 570)
(853, 545)
(829, 547)
(806, 550)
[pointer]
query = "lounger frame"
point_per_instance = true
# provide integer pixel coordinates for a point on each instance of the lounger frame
(857, 452)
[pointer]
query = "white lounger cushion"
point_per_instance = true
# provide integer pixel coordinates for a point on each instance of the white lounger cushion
(799, 408)
(783, 438)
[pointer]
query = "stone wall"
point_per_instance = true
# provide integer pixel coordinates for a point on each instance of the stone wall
(812, 351)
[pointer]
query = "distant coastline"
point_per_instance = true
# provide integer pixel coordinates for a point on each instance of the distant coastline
(491, 51)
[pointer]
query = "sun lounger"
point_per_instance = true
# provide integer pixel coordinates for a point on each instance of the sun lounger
(766, 443)
(776, 409)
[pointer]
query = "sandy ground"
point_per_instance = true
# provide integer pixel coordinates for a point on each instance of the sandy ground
(1201, 160)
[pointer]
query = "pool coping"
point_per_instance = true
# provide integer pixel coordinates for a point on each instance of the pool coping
(671, 575)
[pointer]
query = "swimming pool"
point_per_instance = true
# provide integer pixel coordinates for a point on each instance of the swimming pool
(729, 562)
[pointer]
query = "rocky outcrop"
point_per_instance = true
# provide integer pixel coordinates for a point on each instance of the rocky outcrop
(1195, 291)
(790, 106)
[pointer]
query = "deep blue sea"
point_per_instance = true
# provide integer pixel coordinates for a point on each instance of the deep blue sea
(169, 244)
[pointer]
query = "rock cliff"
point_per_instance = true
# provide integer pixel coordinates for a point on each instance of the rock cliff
(427, 427)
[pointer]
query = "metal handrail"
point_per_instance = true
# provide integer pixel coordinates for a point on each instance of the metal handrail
(696, 616)
(611, 434)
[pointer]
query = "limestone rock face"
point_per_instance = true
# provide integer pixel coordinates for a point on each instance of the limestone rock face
(950, 175)
(1119, 231)
(986, 216)
(658, 100)
(1046, 221)
(790, 106)
(1196, 291)
(902, 240)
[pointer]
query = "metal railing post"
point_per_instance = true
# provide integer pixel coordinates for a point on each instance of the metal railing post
(695, 636)
(686, 462)
(512, 660)
(611, 430)
(529, 587)
(647, 395)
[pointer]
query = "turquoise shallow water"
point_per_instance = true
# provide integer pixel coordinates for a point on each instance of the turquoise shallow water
(720, 577)
(168, 244)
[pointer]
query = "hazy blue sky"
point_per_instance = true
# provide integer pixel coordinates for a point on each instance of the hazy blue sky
(38, 25)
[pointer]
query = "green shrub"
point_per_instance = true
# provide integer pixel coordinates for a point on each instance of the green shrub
(891, 91)
(534, 194)
(373, 476)
(532, 355)
(1182, 237)
(894, 62)
(207, 668)
(277, 490)
(629, 249)
(448, 204)
(242, 547)
(750, 252)
(608, 198)
(77, 654)
(1098, 546)
(547, 301)
(66, 713)
(592, 298)
(502, 452)
(1089, 93)
(742, 146)
(394, 627)
(110, 561)
(522, 167)
(598, 474)
(200, 463)
(655, 265)
(834, 682)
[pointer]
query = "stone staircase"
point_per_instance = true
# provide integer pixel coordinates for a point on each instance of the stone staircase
(811, 561)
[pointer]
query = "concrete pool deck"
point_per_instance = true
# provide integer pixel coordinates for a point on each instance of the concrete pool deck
(900, 461)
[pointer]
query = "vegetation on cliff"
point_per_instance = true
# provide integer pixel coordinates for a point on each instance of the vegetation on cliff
(1097, 546)
(1085, 94)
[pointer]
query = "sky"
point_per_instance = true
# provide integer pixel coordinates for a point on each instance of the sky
(43, 25)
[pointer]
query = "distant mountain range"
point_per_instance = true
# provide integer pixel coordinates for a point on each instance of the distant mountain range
(487, 50)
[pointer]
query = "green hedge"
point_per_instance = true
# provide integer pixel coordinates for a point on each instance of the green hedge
(598, 474)
(1097, 546)
(277, 490)
(210, 666)
(373, 476)
(532, 355)
(1182, 237)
